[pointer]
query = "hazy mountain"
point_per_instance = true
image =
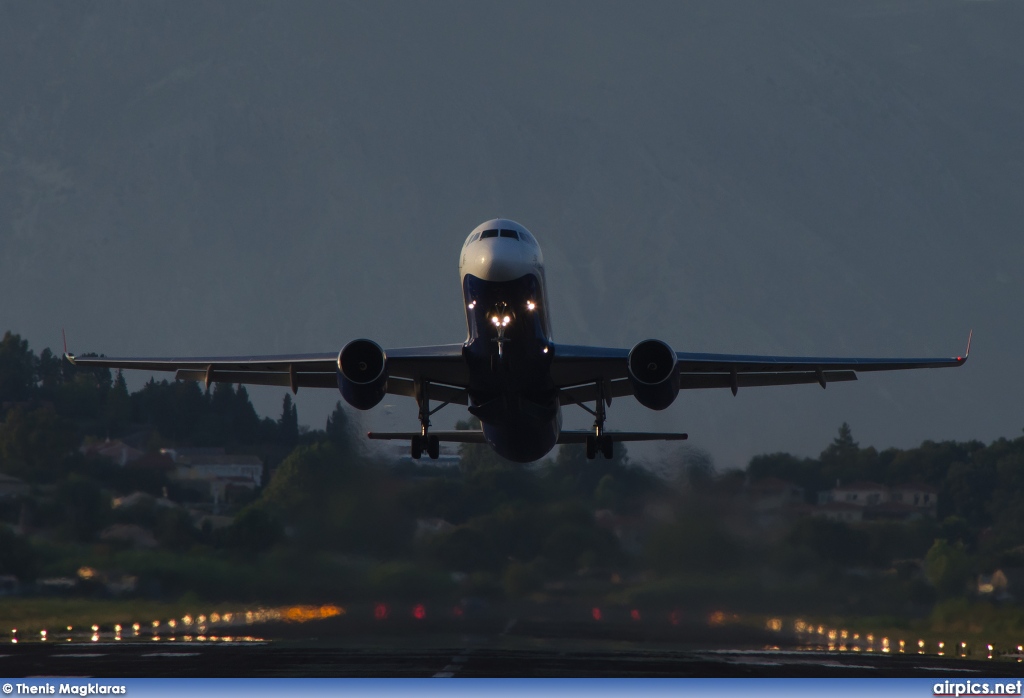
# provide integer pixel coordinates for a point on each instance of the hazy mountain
(793, 177)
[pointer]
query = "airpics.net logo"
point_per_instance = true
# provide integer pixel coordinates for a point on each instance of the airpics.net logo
(977, 688)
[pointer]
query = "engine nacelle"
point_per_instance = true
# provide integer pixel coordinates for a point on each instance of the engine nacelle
(362, 373)
(652, 371)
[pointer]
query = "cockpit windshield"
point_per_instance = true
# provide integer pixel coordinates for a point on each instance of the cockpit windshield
(510, 233)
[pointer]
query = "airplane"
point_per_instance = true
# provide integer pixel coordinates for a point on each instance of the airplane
(509, 372)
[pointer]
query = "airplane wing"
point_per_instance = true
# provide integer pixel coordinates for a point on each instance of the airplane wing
(441, 365)
(577, 369)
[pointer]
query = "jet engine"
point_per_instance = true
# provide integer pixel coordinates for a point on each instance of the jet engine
(651, 365)
(362, 373)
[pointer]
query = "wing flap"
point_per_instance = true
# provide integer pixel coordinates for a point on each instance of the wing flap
(314, 363)
(436, 391)
(588, 392)
(277, 378)
(441, 364)
(577, 369)
(691, 381)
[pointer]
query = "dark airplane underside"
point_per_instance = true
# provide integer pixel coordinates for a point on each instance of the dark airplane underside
(509, 358)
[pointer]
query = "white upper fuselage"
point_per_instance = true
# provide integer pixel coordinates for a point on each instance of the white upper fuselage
(503, 250)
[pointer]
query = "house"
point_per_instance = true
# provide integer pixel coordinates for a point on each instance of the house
(12, 487)
(213, 464)
(216, 471)
(839, 511)
(918, 496)
(995, 585)
(141, 499)
(117, 451)
(773, 494)
(129, 534)
(429, 527)
(898, 503)
(9, 585)
(861, 494)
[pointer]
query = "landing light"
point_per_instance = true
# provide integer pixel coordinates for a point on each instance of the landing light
(530, 305)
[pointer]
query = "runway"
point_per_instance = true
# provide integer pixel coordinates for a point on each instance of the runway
(486, 647)
(467, 658)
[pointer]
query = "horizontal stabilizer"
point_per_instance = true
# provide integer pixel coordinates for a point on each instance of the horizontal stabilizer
(458, 436)
(580, 437)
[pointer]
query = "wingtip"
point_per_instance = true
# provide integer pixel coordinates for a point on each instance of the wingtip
(967, 352)
(67, 355)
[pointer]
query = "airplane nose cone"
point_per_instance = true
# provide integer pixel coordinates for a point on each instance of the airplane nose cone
(498, 261)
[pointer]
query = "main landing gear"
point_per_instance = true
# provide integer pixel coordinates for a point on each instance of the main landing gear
(428, 443)
(599, 442)
(425, 441)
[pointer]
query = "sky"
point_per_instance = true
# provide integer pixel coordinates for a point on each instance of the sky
(190, 178)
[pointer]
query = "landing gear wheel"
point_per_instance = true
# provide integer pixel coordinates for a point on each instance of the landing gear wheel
(433, 447)
(606, 447)
(591, 447)
(417, 447)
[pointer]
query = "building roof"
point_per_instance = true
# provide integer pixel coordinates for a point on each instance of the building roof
(218, 460)
(914, 487)
(774, 484)
(838, 506)
(860, 486)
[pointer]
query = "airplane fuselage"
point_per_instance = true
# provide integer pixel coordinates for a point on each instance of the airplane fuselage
(509, 349)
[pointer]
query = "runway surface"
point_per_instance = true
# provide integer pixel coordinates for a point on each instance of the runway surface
(485, 647)
(468, 658)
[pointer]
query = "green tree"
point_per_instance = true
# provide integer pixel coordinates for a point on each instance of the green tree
(288, 424)
(255, 529)
(17, 556)
(84, 506)
(948, 568)
(34, 443)
(340, 430)
(118, 411)
(17, 369)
